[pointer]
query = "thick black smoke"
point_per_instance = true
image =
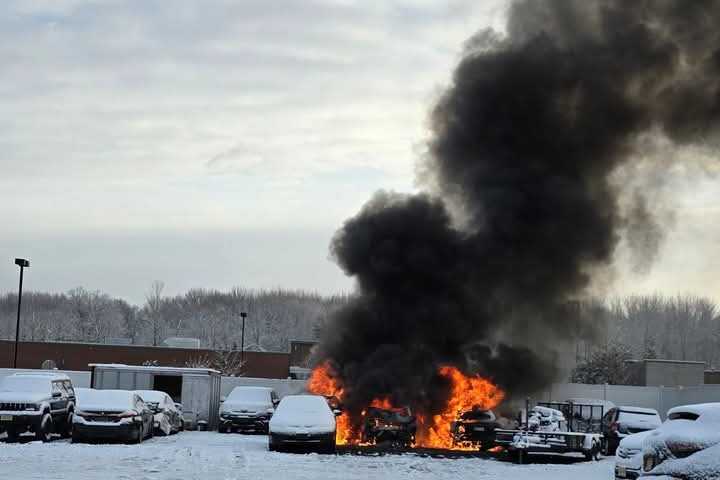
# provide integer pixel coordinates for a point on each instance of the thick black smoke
(526, 198)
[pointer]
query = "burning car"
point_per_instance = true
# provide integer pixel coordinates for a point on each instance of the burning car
(475, 428)
(394, 427)
(685, 446)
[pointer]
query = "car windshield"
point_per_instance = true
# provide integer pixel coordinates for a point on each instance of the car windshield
(110, 399)
(683, 416)
(635, 416)
(24, 384)
(250, 395)
(305, 404)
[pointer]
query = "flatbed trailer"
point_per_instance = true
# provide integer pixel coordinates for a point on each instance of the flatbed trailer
(577, 431)
(522, 442)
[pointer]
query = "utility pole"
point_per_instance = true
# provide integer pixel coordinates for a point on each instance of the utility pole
(243, 315)
(22, 263)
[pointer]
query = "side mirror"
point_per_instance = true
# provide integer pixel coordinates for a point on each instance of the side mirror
(222, 399)
(270, 411)
(337, 412)
(56, 394)
(178, 406)
(276, 403)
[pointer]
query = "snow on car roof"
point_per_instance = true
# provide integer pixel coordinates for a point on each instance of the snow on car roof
(52, 375)
(91, 399)
(705, 411)
(151, 395)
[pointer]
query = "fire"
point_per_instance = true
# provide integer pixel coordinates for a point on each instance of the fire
(465, 393)
(433, 431)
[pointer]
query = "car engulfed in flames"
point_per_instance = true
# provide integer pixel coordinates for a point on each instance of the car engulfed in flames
(383, 423)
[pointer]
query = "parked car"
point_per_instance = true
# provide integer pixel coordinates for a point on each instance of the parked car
(303, 421)
(629, 456)
(167, 418)
(619, 422)
(113, 415)
(39, 402)
(248, 408)
(686, 445)
(475, 427)
(391, 427)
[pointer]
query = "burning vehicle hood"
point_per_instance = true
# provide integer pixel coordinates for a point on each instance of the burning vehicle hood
(22, 397)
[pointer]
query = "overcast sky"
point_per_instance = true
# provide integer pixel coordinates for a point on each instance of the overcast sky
(221, 143)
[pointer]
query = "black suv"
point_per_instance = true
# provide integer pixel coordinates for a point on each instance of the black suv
(41, 403)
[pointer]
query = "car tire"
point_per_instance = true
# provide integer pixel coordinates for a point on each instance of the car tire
(222, 428)
(45, 430)
(76, 438)
(609, 447)
(12, 435)
(182, 425)
(67, 428)
(139, 436)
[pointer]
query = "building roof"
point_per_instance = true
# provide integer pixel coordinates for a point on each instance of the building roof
(158, 369)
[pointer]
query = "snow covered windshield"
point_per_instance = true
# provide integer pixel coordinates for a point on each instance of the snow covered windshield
(89, 399)
(24, 384)
(250, 394)
(639, 417)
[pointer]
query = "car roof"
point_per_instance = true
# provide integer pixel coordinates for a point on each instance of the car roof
(49, 375)
(629, 409)
(709, 411)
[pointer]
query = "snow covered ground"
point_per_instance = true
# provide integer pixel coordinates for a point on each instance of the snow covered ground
(212, 456)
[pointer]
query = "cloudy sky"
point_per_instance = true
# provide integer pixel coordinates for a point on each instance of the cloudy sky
(220, 143)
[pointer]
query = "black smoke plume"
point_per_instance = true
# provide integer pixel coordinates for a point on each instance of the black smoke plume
(525, 195)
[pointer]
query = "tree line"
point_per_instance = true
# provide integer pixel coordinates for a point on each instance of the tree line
(634, 327)
(274, 317)
(681, 327)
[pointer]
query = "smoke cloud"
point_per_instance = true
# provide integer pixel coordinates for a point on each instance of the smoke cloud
(522, 205)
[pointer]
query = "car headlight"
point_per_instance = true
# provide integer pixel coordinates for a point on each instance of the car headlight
(31, 407)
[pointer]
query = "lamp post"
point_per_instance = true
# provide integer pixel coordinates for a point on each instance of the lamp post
(243, 315)
(22, 263)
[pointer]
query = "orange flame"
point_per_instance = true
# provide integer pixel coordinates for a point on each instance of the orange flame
(433, 431)
(466, 392)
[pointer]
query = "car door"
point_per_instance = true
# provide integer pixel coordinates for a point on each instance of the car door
(58, 400)
(70, 392)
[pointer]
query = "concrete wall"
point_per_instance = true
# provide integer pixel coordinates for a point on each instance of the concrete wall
(659, 398)
(282, 387)
(671, 373)
(77, 356)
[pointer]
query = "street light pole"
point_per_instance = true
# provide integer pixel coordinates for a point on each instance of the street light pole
(243, 315)
(22, 263)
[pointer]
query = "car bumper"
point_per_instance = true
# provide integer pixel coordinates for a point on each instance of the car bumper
(125, 431)
(249, 423)
(626, 472)
(20, 419)
(288, 438)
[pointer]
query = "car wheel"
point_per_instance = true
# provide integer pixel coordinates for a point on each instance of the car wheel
(140, 436)
(182, 425)
(45, 430)
(222, 428)
(67, 429)
(75, 438)
(608, 447)
(12, 435)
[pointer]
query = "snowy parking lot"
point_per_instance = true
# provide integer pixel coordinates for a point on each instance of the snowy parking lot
(212, 456)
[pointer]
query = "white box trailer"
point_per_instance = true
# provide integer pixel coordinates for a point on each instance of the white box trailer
(198, 389)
